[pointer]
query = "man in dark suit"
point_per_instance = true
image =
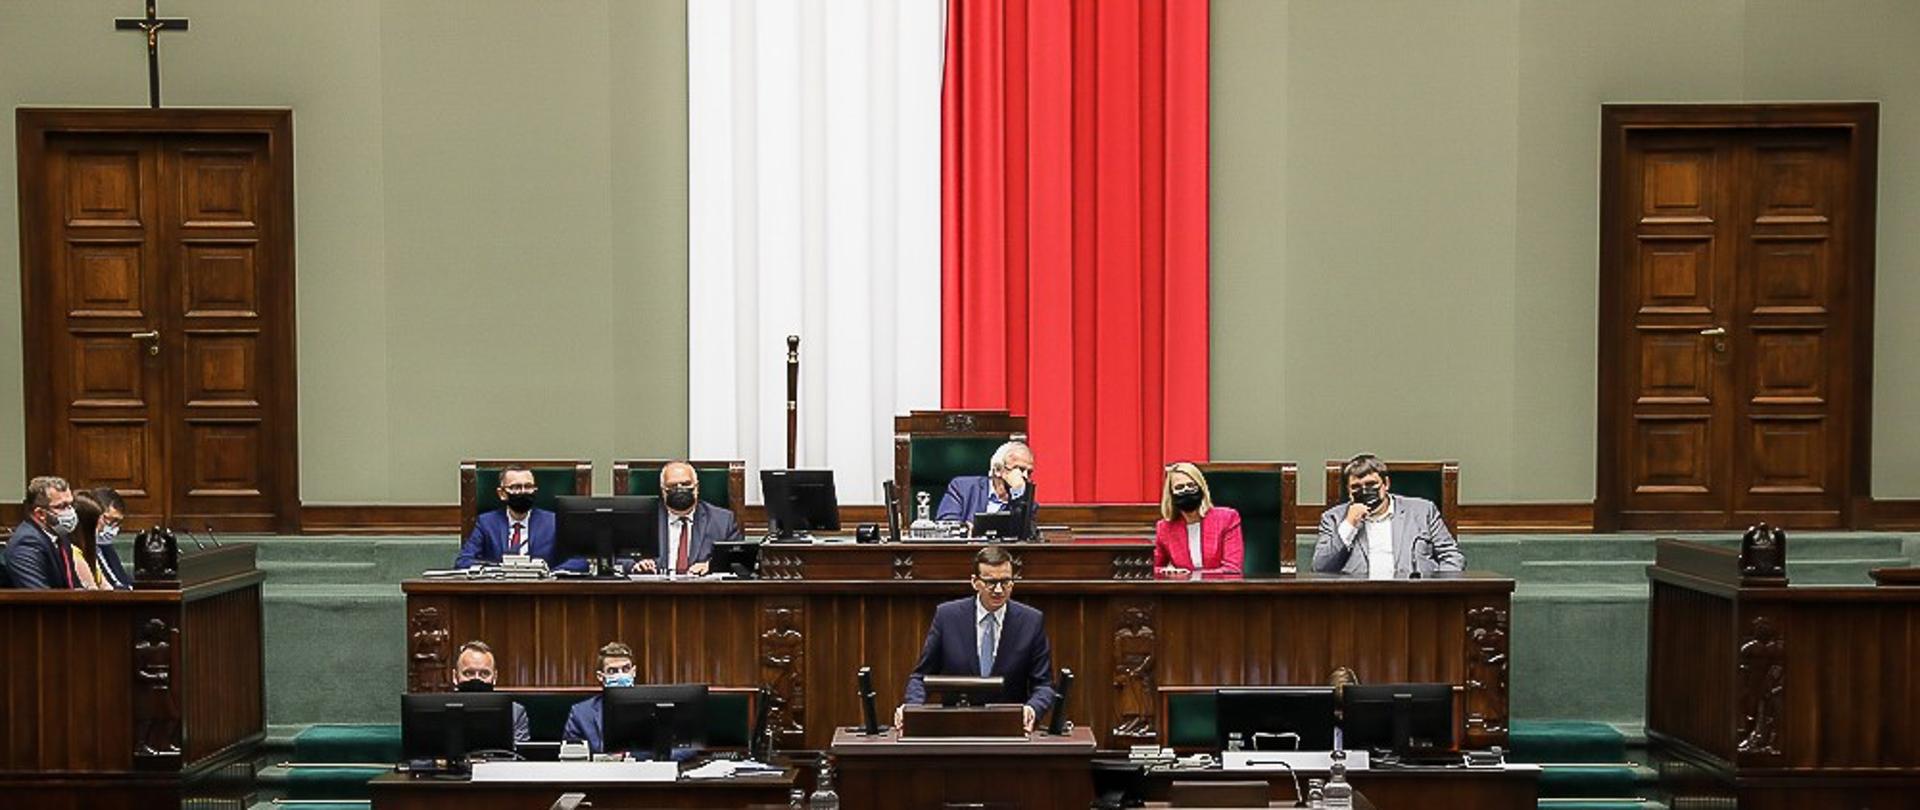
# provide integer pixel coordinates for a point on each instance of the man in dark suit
(1008, 473)
(989, 634)
(474, 671)
(615, 668)
(688, 526)
(38, 554)
(517, 528)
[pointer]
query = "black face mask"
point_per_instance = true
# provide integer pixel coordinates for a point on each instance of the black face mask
(680, 499)
(1368, 496)
(1186, 501)
(521, 502)
(473, 685)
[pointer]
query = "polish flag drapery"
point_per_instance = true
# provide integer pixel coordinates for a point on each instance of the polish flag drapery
(975, 203)
(1074, 233)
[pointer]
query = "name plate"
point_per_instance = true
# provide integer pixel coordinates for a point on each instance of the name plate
(972, 722)
(1280, 760)
(576, 771)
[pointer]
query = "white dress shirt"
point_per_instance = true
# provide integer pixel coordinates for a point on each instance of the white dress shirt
(1379, 548)
(526, 538)
(980, 613)
(1193, 545)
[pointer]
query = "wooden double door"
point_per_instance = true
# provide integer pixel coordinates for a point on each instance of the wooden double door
(157, 310)
(1736, 315)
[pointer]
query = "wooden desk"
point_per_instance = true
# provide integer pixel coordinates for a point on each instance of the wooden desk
(804, 639)
(953, 561)
(1779, 696)
(1515, 787)
(1041, 772)
(398, 791)
(133, 698)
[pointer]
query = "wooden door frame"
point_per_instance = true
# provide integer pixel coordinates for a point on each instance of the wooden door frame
(1862, 121)
(33, 125)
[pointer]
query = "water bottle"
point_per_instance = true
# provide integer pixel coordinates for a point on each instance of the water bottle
(1316, 795)
(1338, 793)
(797, 800)
(823, 796)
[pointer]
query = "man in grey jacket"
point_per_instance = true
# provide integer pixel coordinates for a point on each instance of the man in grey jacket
(1379, 535)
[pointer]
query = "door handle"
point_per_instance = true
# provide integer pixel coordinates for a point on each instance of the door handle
(1715, 331)
(153, 340)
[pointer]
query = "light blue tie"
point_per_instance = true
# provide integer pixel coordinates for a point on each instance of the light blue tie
(986, 645)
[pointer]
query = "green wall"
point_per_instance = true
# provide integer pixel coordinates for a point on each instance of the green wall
(1429, 171)
(492, 216)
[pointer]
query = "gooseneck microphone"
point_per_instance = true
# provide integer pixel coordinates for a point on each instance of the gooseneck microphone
(1058, 725)
(865, 677)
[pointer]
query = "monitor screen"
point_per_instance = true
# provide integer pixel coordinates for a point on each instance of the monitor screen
(454, 725)
(1399, 717)
(602, 528)
(656, 718)
(800, 501)
(1276, 718)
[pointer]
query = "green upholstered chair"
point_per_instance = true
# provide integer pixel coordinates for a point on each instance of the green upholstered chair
(931, 448)
(1190, 718)
(1263, 492)
(1437, 481)
(722, 483)
(729, 714)
(480, 485)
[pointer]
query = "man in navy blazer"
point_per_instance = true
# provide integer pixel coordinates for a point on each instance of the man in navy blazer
(517, 528)
(585, 721)
(688, 526)
(989, 634)
(39, 554)
(1006, 480)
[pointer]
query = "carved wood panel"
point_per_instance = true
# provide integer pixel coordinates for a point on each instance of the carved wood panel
(1136, 657)
(1763, 686)
(429, 649)
(1487, 666)
(783, 668)
(156, 702)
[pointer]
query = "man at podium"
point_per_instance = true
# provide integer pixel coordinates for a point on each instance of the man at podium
(989, 635)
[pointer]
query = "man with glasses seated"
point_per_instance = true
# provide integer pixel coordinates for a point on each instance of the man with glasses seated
(1380, 535)
(586, 720)
(517, 528)
(989, 635)
(1005, 482)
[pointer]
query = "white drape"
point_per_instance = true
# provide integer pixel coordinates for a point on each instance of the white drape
(814, 196)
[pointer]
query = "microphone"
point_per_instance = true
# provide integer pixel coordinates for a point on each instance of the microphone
(1058, 724)
(196, 541)
(865, 678)
(211, 536)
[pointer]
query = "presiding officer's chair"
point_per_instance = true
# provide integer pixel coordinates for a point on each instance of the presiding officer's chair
(722, 483)
(1437, 481)
(480, 485)
(931, 448)
(1264, 493)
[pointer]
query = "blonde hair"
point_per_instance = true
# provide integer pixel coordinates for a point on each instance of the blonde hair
(1188, 469)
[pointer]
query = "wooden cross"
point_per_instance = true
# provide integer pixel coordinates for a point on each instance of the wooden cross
(152, 25)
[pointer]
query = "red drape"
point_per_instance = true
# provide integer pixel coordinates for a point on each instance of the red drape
(1074, 233)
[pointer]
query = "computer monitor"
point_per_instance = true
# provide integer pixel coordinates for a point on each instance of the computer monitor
(1010, 524)
(1119, 784)
(1405, 719)
(963, 690)
(737, 557)
(1276, 718)
(601, 528)
(800, 502)
(455, 725)
(658, 718)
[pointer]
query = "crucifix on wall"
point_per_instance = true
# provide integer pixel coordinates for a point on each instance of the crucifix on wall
(152, 24)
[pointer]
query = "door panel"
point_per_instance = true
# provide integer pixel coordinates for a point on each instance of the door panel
(106, 282)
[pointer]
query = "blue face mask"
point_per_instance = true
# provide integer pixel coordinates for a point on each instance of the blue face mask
(106, 534)
(620, 680)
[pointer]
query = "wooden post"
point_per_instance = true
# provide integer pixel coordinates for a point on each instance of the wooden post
(793, 401)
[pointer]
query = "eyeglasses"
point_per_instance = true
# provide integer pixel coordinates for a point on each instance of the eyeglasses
(1185, 489)
(520, 489)
(996, 584)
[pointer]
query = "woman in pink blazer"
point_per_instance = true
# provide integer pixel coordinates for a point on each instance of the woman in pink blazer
(1190, 521)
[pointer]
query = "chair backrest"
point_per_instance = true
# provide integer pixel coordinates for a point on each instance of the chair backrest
(722, 483)
(931, 448)
(1264, 493)
(480, 485)
(1437, 481)
(729, 714)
